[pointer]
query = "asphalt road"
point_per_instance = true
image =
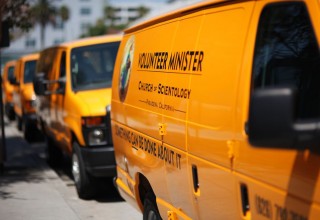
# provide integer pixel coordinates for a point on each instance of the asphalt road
(30, 189)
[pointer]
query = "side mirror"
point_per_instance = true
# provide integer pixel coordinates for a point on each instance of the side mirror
(272, 121)
(38, 84)
(62, 85)
(13, 81)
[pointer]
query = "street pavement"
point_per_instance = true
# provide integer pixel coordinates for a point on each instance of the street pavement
(31, 190)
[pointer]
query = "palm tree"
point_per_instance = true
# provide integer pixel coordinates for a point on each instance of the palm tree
(43, 13)
(64, 13)
(109, 13)
(142, 11)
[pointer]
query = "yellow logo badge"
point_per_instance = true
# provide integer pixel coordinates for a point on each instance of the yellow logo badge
(125, 70)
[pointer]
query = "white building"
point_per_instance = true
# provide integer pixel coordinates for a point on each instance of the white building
(84, 13)
(126, 11)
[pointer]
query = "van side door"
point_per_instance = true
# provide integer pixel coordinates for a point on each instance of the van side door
(57, 93)
(47, 66)
(61, 131)
(16, 88)
(211, 139)
(182, 63)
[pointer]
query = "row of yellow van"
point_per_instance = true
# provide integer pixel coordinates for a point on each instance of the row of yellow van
(215, 112)
(19, 98)
(65, 92)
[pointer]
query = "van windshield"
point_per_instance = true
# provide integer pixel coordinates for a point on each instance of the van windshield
(92, 66)
(29, 71)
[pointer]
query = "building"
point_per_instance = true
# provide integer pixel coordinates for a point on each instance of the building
(84, 13)
(126, 11)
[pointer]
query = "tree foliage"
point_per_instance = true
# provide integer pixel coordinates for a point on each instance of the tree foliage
(16, 13)
(107, 23)
(44, 13)
(98, 29)
(64, 13)
(142, 11)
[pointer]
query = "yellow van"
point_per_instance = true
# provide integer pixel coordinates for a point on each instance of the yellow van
(7, 87)
(73, 87)
(24, 96)
(215, 112)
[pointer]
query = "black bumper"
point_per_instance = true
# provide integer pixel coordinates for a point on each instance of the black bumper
(9, 110)
(100, 161)
(30, 119)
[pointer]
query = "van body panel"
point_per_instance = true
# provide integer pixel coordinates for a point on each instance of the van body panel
(181, 121)
(148, 119)
(284, 182)
(23, 91)
(96, 102)
(72, 110)
(176, 13)
(127, 185)
(7, 86)
(81, 104)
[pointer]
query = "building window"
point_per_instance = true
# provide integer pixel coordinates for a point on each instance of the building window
(84, 27)
(85, 11)
(132, 9)
(59, 26)
(58, 41)
(30, 43)
(132, 18)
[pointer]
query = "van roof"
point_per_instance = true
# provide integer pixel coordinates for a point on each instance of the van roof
(11, 63)
(32, 56)
(91, 40)
(174, 14)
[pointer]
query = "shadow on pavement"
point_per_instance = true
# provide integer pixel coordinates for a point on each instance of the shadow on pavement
(22, 165)
(26, 163)
(106, 191)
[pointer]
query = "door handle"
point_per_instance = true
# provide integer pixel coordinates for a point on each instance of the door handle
(195, 178)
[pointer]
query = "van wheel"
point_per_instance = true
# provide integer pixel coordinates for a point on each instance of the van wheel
(83, 181)
(54, 154)
(28, 131)
(10, 113)
(11, 116)
(19, 123)
(150, 211)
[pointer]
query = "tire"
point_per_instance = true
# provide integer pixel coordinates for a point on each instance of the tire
(83, 180)
(10, 114)
(150, 211)
(29, 131)
(54, 154)
(19, 123)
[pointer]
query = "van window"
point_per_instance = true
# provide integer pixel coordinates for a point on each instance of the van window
(92, 66)
(29, 71)
(63, 65)
(287, 54)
